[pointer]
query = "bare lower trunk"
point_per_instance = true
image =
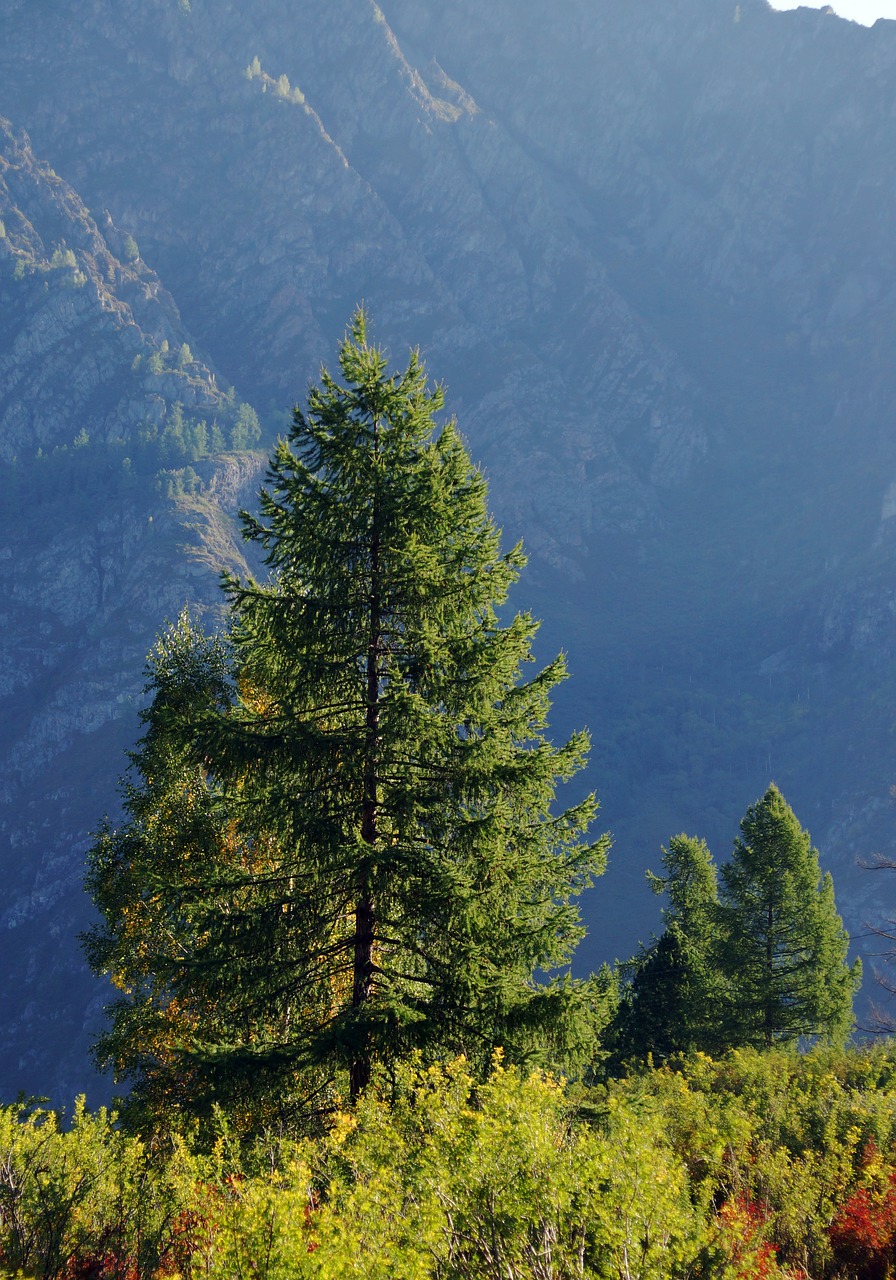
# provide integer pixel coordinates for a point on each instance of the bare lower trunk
(359, 1074)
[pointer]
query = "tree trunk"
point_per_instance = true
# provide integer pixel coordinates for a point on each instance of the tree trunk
(365, 917)
(769, 975)
(359, 1074)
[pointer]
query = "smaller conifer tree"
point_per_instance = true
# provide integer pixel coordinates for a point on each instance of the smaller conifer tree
(672, 1002)
(782, 944)
(760, 961)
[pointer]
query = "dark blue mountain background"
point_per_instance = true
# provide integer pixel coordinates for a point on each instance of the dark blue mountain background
(650, 250)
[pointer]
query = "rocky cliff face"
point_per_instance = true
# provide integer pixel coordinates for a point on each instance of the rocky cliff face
(94, 558)
(649, 248)
(278, 203)
(79, 324)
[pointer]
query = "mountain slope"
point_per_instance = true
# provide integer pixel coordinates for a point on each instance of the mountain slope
(650, 249)
(94, 561)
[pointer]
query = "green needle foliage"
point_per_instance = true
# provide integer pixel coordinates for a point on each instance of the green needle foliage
(761, 962)
(783, 946)
(673, 1001)
(383, 872)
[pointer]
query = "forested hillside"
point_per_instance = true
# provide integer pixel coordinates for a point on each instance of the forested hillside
(650, 250)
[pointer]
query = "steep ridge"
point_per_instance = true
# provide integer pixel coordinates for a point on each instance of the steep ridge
(276, 209)
(650, 250)
(734, 167)
(93, 361)
(76, 318)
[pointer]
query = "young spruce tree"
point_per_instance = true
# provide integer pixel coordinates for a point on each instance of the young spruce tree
(782, 945)
(673, 1001)
(388, 874)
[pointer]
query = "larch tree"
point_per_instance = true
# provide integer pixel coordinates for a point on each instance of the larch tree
(782, 946)
(387, 873)
(160, 878)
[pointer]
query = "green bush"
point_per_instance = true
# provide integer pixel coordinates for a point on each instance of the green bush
(87, 1197)
(763, 1166)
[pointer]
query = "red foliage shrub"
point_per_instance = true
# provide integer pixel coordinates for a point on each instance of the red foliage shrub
(863, 1232)
(743, 1226)
(104, 1262)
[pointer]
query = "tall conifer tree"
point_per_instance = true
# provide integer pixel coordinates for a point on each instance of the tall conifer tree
(397, 877)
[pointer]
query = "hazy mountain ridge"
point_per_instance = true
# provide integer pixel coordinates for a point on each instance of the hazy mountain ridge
(75, 317)
(649, 249)
(93, 561)
(335, 210)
